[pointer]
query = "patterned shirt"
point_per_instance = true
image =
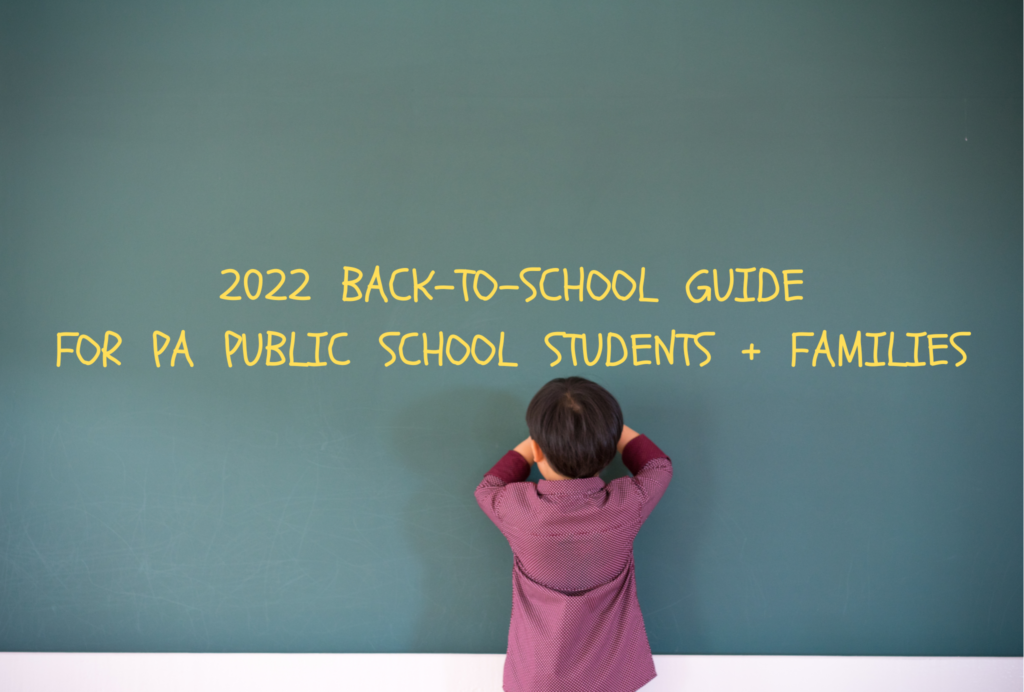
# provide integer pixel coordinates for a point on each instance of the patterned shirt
(576, 623)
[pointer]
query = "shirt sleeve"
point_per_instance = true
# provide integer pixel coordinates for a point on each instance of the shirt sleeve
(651, 469)
(511, 468)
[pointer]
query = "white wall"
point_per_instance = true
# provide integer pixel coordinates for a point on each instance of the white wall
(73, 672)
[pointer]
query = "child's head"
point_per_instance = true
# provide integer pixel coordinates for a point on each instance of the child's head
(577, 425)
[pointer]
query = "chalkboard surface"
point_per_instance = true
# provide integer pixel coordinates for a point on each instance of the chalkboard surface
(790, 234)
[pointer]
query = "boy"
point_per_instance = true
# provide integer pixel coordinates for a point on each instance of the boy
(576, 623)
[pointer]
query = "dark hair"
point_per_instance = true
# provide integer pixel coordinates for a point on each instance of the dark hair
(577, 424)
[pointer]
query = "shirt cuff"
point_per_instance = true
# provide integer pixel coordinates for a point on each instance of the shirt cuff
(511, 468)
(638, 452)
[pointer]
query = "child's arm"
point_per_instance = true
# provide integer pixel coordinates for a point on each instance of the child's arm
(628, 435)
(651, 467)
(525, 449)
(514, 467)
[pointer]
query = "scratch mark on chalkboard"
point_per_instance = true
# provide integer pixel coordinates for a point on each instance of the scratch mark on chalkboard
(266, 566)
(675, 621)
(668, 606)
(846, 601)
(108, 527)
(309, 514)
(220, 514)
(965, 119)
(59, 437)
(49, 568)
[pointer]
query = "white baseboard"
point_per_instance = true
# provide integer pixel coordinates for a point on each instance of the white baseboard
(111, 672)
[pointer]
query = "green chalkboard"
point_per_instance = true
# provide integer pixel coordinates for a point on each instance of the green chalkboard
(854, 168)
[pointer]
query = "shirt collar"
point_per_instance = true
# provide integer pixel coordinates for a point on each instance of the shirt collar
(577, 486)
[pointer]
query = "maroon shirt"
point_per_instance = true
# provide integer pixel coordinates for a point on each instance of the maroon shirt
(576, 622)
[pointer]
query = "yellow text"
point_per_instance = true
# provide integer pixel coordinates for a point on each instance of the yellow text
(406, 347)
(612, 343)
(769, 286)
(911, 349)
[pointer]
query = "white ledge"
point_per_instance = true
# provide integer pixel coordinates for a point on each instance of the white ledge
(117, 672)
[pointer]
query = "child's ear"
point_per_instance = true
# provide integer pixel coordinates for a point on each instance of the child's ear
(538, 454)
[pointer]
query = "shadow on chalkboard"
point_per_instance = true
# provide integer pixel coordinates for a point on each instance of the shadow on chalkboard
(448, 440)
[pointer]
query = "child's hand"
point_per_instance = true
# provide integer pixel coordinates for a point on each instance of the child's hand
(526, 449)
(628, 435)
